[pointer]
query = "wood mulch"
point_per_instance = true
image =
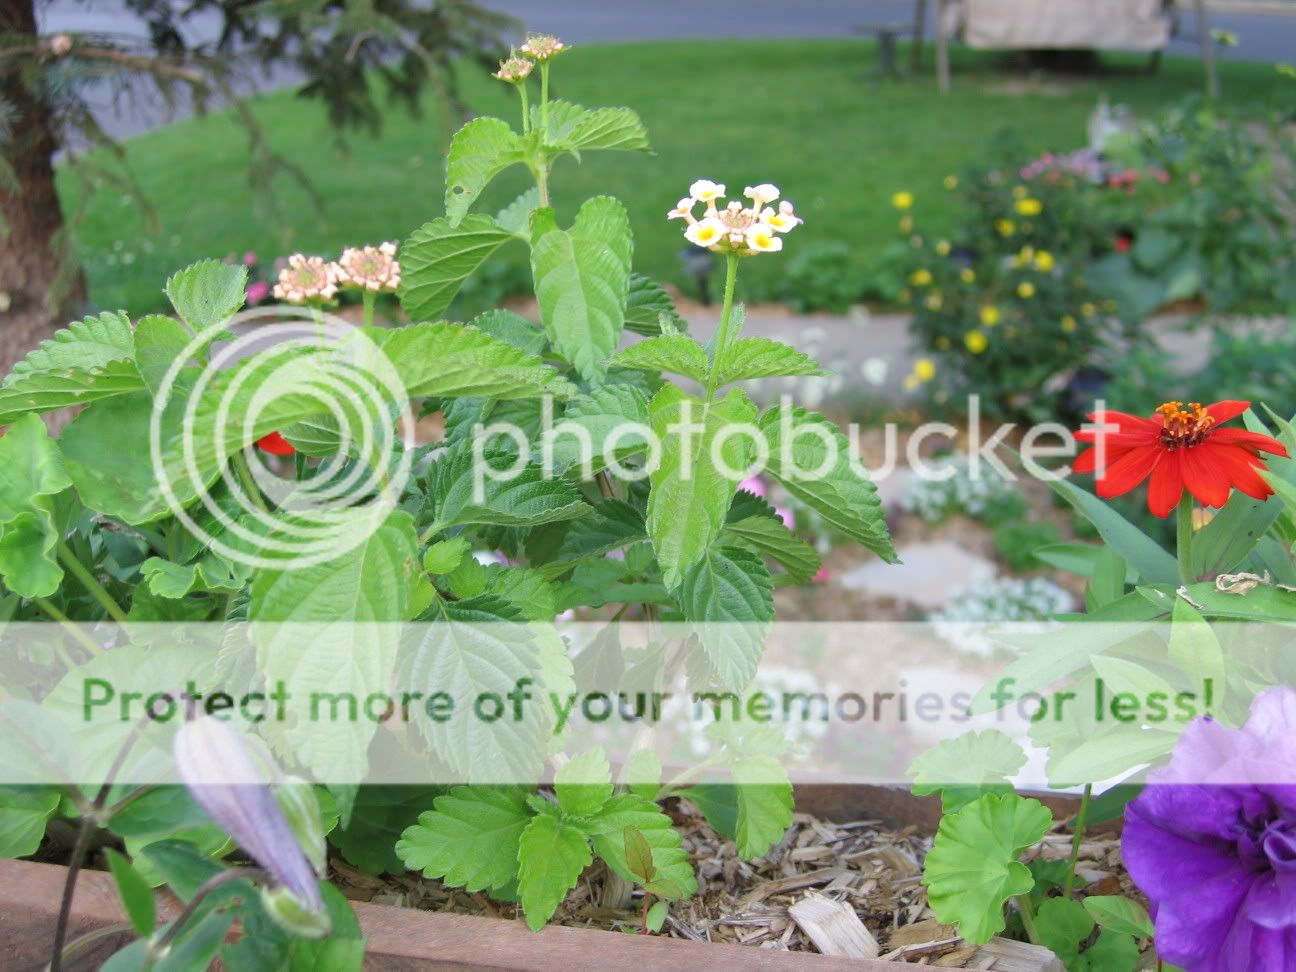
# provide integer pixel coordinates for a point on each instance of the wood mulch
(873, 870)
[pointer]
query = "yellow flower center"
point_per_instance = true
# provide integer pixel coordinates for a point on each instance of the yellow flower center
(1183, 427)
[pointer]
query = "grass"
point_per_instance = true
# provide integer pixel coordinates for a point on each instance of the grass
(796, 113)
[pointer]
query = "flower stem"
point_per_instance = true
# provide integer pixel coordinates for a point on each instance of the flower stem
(1027, 917)
(239, 461)
(213, 883)
(79, 850)
(89, 582)
(526, 107)
(544, 101)
(1082, 820)
(370, 298)
(1183, 538)
(723, 335)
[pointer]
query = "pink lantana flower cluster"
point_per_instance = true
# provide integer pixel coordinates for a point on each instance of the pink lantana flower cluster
(314, 280)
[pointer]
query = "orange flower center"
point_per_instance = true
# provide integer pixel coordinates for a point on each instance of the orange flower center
(1182, 426)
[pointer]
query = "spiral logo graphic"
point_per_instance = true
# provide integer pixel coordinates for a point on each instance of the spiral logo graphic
(277, 369)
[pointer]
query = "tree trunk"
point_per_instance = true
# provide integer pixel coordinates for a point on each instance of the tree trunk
(33, 275)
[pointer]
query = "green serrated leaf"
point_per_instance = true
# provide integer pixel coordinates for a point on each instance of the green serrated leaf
(444, 556)
(613, 420)
(677, 354)
(379, 815)
(461, 492)
(768, 536)
(690, 495)
(582, 276)
(606, 128)
(470, 839)
(764, 808)
(670, 860)
(611, 525)
(440, 256)
(207, 293)
(551, 857)
(647, 304)
(31, 473)
(754, 357)
(479, 152)
(825, 477)
(583, 784)
(87, 361)
(731, 589)
(447, 360)
(972, 869)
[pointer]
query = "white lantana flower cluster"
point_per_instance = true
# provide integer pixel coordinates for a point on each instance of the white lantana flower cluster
(372, 268)
(735, 228)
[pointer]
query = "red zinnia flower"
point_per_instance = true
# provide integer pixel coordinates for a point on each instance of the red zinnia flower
(1178, 447)
(275, 444)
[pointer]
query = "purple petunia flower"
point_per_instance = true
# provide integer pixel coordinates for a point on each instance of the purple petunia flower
(1211, 841)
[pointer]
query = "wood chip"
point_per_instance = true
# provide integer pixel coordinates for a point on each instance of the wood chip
(834, 927)
(1005, 955)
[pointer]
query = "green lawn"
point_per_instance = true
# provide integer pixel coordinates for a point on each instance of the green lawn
(795, 113)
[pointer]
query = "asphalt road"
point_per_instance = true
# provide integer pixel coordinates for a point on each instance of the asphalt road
(1263, 38)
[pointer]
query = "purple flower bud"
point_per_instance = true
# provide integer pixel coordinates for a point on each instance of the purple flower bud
(216, 766)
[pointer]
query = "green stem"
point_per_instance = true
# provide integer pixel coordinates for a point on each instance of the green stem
(82, 638)
(90, 583)
(526, 107)
(1028, 917)
(544, 100)
(214, 883)
(542, 183)
(370, 297)
(723, 335)
(1183, 538)
(1082, 820)
(239, 461)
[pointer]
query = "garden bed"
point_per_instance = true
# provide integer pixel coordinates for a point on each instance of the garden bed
(860, 846)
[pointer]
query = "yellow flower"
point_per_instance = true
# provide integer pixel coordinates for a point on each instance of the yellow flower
(924, 369)
(976, 341)
(933, 302)
(911, 383)
(1006, 227)
(906, 224)
(902, 200)
(1029, 207)
(1069, 324)
(921, 277)
(951, 181)
(1044, 261)
(1024, 256)
(1019, 192)
(943, 248)
(967, 275)
(1088, 310)
(1025, 290)
(990, 315)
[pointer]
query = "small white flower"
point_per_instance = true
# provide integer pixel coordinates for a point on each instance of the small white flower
(704, 190)
(683, 209)
(762, 194)
(783, 220)
(761, 238)
(707, 232)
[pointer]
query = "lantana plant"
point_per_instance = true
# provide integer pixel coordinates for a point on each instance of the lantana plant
(154, 505)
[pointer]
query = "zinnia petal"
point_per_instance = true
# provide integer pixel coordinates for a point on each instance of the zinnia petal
(1166, 485)
(1207, 479)
(1221, 412)
(1128, 470)
(1249, 440)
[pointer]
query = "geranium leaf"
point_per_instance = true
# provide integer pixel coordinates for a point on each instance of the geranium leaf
(972, 869)
(551, 856)
(582, 276)
(470, 838)
(1120, 914)
(439, 256)
(963, 768)
(823, 476)
(479, 151)
(690, 495)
